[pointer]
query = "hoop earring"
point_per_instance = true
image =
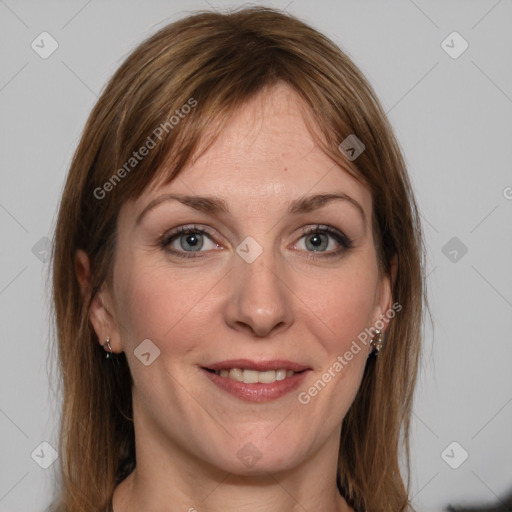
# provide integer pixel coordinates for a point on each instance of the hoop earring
(109, 347)
(376, 342)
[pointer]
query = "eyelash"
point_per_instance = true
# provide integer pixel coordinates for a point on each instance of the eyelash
(340, 237)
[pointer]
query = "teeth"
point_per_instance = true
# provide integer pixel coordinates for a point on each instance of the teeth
(280, 374)
(254, 377)
(236, 374)
(250, 376)
(267, 377)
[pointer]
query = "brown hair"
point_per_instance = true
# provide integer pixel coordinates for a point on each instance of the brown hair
(214, 63)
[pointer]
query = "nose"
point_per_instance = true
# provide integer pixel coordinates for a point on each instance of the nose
(260, 300)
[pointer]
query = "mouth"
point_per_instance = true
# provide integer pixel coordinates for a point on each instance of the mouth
(254, 376)
(256, 381)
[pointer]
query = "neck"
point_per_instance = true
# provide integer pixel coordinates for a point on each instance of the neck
(171, 480)
(226, 493)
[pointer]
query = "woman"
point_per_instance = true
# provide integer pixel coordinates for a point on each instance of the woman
(238, 280)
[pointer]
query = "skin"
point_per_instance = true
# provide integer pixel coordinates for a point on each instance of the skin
(218, 307)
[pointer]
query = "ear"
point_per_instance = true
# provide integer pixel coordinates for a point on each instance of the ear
(100, 310)
(384, 297)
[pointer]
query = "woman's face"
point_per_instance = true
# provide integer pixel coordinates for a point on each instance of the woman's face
(246, 288)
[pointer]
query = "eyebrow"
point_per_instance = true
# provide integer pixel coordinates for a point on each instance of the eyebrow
(216, 205)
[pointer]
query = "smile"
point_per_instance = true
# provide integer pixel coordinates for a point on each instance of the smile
(253, 376)
(252, 381)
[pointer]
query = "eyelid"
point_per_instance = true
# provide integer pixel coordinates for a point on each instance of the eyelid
(186, 229)
(343, 240)
(334, 232)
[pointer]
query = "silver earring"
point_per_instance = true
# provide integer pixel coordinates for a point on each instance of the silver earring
(109, 347)
(376, 341)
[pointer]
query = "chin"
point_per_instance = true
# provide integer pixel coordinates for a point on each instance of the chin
(259, 456)
(257, 467)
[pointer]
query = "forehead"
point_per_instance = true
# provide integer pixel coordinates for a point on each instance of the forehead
(266, 150)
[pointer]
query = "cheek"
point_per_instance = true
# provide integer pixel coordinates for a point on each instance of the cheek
(156, 304)
(341, 313)
(345, 307)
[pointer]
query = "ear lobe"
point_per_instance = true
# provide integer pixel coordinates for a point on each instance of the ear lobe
(385, 297)
(101, 319)
(99, 314)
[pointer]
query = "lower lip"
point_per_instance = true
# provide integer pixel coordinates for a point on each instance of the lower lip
(257, 392)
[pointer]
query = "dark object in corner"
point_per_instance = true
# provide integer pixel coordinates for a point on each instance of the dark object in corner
(504, 505)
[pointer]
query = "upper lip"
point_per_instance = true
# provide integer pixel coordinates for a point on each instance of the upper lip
(260, 366)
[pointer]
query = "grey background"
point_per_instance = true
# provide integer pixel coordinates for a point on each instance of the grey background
(452, 117)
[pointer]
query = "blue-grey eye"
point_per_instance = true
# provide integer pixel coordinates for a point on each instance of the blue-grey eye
(190, 240)
(318, 241)
(193, 241)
